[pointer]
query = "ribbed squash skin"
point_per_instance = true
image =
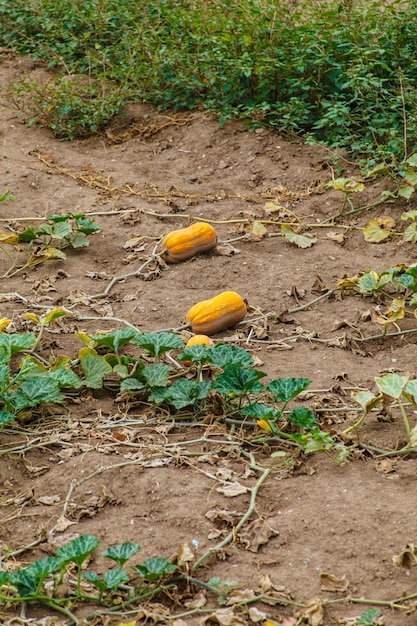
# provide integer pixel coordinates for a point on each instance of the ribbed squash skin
(211, 316)
(184, 243)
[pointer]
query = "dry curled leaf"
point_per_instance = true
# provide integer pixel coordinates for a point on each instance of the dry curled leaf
(226, 249)
(407, 558)
(198, 601)
(224, 617)
(256, 534)
(222, 517)
(185, 554)
(312, 612)
(329, 582)
(231, 490)
(385, 466)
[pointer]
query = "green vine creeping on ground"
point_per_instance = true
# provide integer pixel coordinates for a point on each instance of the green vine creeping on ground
(39, 581)
(46, 242)
(218, 371)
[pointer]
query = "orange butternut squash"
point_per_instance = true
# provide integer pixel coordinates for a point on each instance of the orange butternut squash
(185, 243)
(211, 316)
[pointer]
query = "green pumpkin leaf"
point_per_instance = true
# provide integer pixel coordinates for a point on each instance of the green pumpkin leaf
(184, 392)
(412, 160)
(198, 353)
(391, 384)
(406, 191)
(10, 344)
(36, 390)
(5, 417)
(158, 343)
(77, 550)
(221, 355)
(285, 389)
(410, 233)
(87, 226)
(79, 241)
(369, 282)
(95, 368)
(95, 580)
(122, 552)
(131, 384)
(27, 584)
(302, 416)
(260, 411)
(114, 339)
(238, 380)
(367, 400)
(156, 375)
(154, 568)
(114, 577)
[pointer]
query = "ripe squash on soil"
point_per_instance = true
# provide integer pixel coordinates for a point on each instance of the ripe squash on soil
(185, 243)
(211, 316)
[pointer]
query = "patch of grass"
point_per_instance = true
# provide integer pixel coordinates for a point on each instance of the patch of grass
(340, 72)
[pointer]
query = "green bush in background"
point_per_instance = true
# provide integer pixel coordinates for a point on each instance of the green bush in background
(340, 72)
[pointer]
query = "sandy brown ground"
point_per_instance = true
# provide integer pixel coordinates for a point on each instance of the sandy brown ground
(347, 521)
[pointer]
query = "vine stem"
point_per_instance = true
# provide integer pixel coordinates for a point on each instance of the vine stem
(254, 492)
(117, 279)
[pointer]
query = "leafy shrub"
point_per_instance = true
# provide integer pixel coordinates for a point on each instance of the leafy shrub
(339, 72)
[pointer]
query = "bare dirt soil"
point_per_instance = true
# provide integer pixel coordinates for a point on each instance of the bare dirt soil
(154, 481)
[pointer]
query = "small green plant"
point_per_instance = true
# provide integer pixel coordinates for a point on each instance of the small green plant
(396, 286)
(39, 581)
(394, 390)
(367, 618)
(72, 107)
(46, 242)
(7, 195)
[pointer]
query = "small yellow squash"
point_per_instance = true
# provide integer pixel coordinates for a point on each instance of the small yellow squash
(197, 340)
(211, 316)
(184, 243)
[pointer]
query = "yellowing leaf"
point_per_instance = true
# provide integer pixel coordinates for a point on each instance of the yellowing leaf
(346, 185)
(378, 229)
(54, 314)
(32, 317)
(9, 238)
(302, 241)
(46, 255)
(406, 192)
(395, 312)
(4, 322)
(273, 207)
(258, 230)
(411, 177)
(84, 338)
(347, 282)
(410, 233)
